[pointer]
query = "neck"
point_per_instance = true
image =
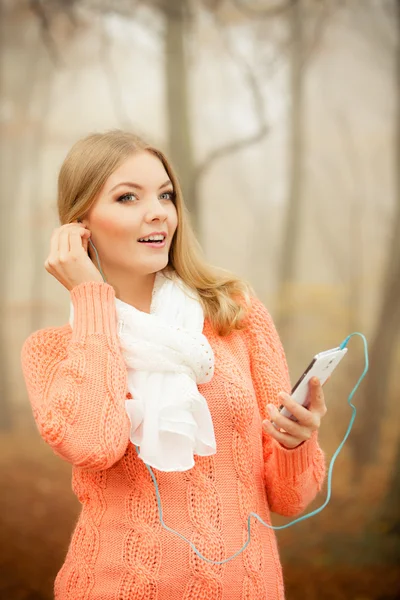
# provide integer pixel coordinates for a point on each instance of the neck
(135, 290)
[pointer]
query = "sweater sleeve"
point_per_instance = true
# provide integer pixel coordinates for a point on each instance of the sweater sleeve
(292, 476)
(77, 384)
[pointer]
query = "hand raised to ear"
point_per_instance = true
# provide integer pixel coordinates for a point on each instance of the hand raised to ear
(68, 260)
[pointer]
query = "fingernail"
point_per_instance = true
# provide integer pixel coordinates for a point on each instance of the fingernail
(271, 409)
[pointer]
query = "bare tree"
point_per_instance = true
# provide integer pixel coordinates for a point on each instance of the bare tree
(176, 15)
(270, 9)
(367, 432)
(35, 158)
(6, 231)
(15, 155)
(296, 151)
(300, 51)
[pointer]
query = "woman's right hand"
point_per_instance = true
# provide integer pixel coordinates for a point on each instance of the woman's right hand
(68, 260)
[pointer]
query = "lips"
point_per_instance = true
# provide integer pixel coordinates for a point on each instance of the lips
(154, 244)
(153, 233)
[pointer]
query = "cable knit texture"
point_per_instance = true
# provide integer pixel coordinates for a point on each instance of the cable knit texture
(77, 385)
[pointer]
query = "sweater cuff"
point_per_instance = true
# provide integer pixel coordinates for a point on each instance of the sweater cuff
(292, 462)
(94, 310)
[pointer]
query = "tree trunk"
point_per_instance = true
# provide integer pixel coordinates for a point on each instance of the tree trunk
(40, 242)
(367, 430)
(293, 212)
(18, 82)
(179, 130)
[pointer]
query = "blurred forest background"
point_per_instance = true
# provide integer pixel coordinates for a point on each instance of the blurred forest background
(282, 118)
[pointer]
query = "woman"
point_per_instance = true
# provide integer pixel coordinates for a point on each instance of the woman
(168, 363)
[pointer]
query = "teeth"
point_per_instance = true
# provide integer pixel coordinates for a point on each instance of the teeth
(152, 238)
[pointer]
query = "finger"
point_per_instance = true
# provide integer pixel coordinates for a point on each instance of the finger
(304, 416)
(78, 238)
(48, 265)
(326, 381)
(283, 438)
(317, 399)
(63, 244)
(290, 426)
(66, 231)
(54, 243)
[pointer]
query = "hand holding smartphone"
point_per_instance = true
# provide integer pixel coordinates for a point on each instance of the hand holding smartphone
(322, 366)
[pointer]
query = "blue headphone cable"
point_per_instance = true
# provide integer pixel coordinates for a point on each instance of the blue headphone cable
(330, 470)
(299, 519)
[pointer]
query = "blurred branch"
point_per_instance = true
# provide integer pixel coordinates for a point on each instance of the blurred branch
(375, 24)
(122, 8)
(230, 149)
(113, 84)
(173, 9)
(382, 19)
(320, 26)
(212, 5)
(270, 11)
(258, 100)
(39, 10)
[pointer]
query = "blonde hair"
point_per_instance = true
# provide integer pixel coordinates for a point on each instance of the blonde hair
(225, 298)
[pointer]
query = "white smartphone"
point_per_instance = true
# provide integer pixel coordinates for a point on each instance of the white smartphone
(321, 366)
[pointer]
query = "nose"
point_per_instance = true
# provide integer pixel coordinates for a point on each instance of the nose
(156, 211)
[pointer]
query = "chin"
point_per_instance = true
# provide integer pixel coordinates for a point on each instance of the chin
(154, 265)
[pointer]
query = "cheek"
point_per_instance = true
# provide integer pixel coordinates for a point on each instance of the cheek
(173, 218)
(112, 226)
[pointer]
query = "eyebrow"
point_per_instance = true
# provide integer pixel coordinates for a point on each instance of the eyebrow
(132, 184)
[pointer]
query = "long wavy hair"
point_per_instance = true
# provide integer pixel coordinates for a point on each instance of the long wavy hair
(226, 299)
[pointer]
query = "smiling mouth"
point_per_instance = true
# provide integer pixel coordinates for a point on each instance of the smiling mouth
(154, 243)
(153, 239)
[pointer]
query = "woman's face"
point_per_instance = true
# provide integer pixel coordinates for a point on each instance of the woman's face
(136, 201)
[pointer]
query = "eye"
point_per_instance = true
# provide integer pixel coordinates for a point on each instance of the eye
(126, 197)
(171, 195)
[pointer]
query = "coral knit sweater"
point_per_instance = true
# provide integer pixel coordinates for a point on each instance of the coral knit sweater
(77, 384)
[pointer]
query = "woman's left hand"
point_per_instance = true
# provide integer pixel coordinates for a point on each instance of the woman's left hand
(308, 419)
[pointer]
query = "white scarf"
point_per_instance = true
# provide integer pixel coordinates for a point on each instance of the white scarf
(167, 355)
